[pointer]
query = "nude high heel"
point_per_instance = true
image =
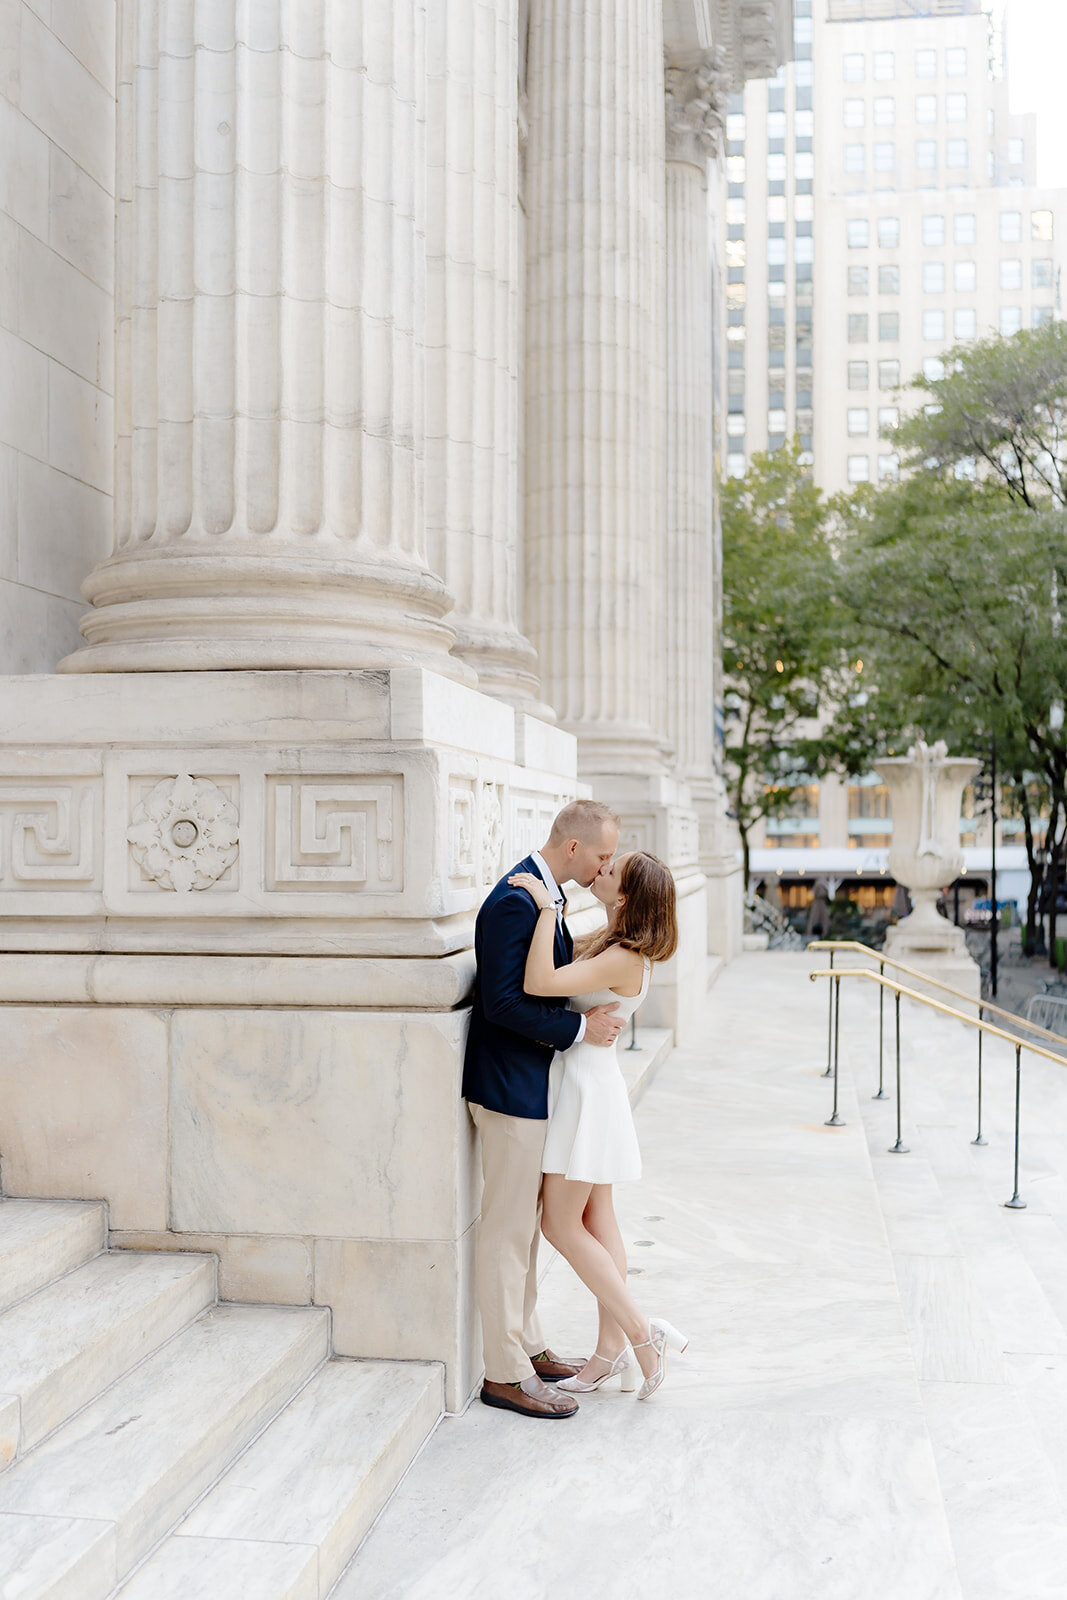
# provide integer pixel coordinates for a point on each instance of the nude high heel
(622, 1367)
(662, 1334)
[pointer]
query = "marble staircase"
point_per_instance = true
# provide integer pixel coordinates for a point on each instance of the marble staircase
(983, 1288)
(158, 1443)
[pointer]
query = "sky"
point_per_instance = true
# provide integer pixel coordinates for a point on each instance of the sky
(1036, 49)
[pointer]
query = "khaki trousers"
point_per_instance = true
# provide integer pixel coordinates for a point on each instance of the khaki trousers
(507, 1242)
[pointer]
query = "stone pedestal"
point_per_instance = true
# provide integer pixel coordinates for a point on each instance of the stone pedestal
(925, 790)
(249, 899)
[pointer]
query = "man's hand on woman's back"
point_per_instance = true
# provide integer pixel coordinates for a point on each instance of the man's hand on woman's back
(602, 1026)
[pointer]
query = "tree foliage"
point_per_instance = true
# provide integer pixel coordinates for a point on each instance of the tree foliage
(786, 658)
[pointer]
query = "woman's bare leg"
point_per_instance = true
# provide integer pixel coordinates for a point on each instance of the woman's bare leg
(563, 1207)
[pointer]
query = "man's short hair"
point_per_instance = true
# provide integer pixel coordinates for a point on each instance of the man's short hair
(582, 819)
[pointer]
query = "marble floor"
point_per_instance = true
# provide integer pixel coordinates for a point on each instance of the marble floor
(874, 1403)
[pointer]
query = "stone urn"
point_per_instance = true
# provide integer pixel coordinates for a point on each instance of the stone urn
(925, 793)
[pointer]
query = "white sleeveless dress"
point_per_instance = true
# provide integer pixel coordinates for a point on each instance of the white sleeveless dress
(591, 1137)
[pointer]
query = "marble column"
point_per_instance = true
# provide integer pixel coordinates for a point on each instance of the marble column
(695, 108)
(474, 296)
(696, 88)
(595, 379)
(270, 311)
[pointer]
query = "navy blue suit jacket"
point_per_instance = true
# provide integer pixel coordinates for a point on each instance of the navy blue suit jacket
(513, 1035)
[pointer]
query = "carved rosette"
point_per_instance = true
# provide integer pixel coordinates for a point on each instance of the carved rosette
(183, 834)
(696, 84)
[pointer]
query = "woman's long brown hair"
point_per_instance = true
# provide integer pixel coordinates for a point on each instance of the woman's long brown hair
(648, 919)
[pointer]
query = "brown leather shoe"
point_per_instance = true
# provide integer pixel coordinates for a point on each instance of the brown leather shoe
(550, 1369)
(531, 1398)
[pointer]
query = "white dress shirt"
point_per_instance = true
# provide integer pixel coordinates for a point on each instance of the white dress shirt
(557, 894)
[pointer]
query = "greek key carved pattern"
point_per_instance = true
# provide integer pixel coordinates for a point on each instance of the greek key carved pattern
(331, 832)
(48, 835)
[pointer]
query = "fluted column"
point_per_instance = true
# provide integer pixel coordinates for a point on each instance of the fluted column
(695, 103)
(270, 305)
(595, 373)
(474, 335)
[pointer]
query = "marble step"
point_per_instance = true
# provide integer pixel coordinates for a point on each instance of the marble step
(287, 1518)
(66, 1344)
(42, 1239)
(111, 1482)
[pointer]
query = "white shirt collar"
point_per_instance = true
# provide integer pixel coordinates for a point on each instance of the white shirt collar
(550, 883)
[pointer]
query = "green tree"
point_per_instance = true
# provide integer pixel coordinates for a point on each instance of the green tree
(953, 581)
(788, 670)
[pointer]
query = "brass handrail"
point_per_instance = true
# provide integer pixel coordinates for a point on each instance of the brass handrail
(938, 1005)
(934, 983)
(899, 989)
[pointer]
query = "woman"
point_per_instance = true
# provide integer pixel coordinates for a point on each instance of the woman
(591, 1143)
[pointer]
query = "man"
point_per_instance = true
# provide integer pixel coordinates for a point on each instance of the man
(512, 1039)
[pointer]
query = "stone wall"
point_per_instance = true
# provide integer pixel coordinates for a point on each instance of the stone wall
(57, 226)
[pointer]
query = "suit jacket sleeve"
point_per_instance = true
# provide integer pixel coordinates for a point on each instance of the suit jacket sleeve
(506, 936)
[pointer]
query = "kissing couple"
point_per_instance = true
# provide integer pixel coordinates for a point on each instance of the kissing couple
(547, 1096)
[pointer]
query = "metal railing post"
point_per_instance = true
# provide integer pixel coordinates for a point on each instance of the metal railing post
(834, 1121)
(900, 1148)
(830, 1024)
(979, 1139)
(1015, 1204)
(881, 1095)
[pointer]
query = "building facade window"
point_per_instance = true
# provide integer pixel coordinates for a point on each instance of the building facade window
(776, 168)
(1016, 152)
(926, 154)
(926, 108)
(852, 68)
(735, 464)
(933, 369)
(884, 66)
(964, 323)
(859, 469)
(858, 420)
(1041, 273)
(857, 327)
(933, 277)
(956, 61)
(855, 158)
(735, 169)
(955, 108)
(804, 250)
(735, 425)
(889, 280)
(965, 277)
(857, 280)
(933, 230)
(888, 326)
(963, 228)
(885, 156)
(926, 63)
(857, 375)
(804, 124)
(888, 232)
(735, 125)
(858, 233)
(1011, 320)
(888, 468)
(888, 375)
(1041, 316)
(885, 111)
(956, 154)
(1041, 225)
(1011, 274)
(888, 418)
(934, 325)
(855, 113)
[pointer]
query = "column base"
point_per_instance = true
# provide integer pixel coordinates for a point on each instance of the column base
(205, 609)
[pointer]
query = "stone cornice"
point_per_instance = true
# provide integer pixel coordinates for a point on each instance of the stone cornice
(696, 84)
(757, 36)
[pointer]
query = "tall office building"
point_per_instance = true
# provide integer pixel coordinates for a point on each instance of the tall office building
(882, 207)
